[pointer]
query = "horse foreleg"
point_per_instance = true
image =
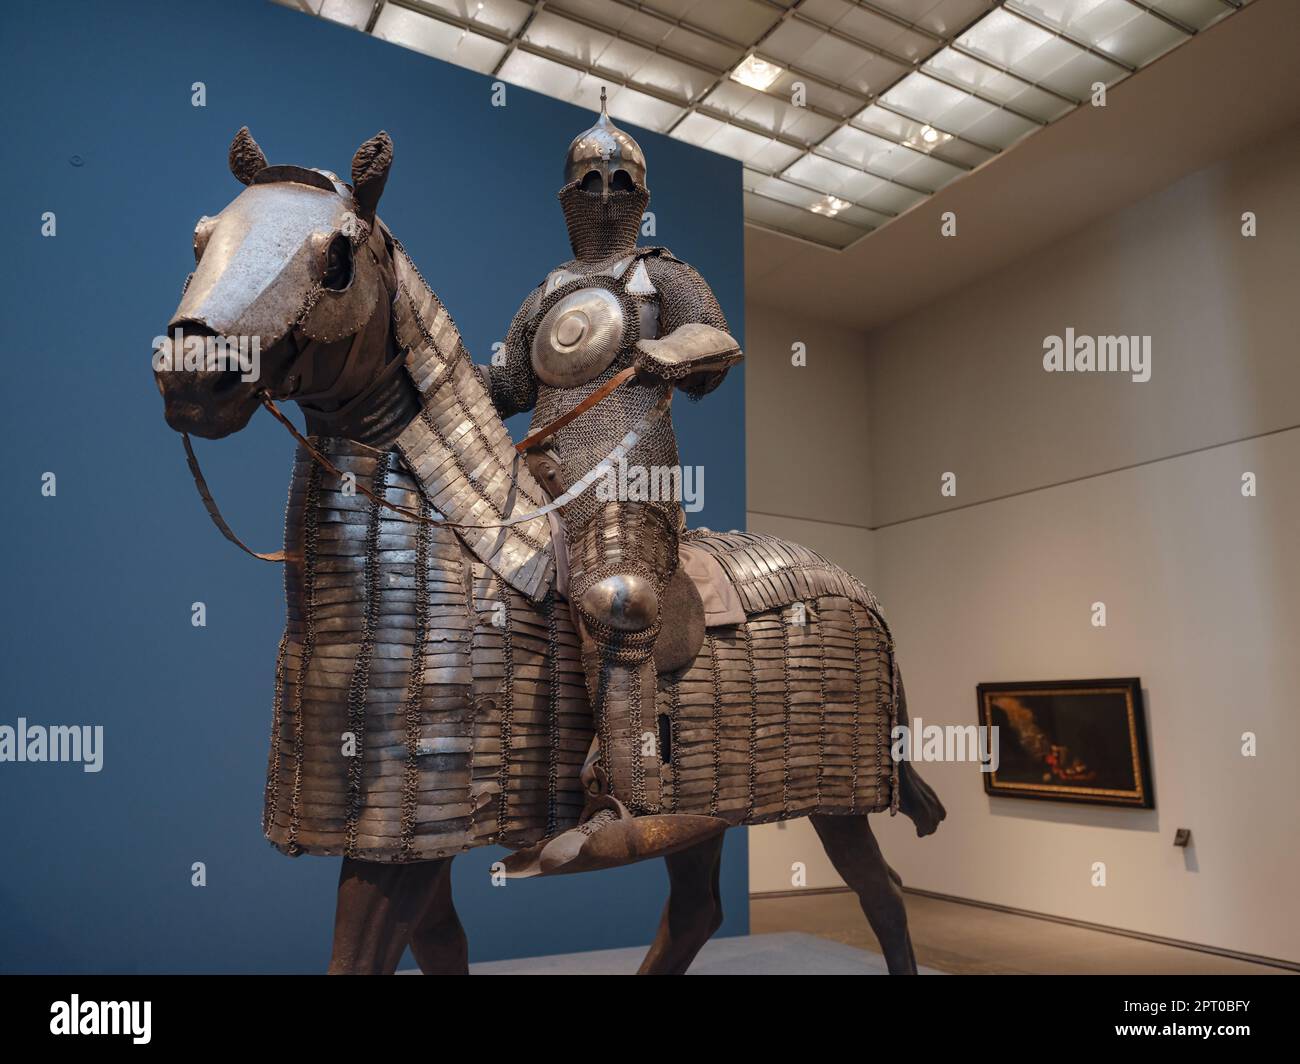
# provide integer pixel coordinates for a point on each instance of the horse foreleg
(693, 911)
(438, 943)
(856, 855)
(379, 908)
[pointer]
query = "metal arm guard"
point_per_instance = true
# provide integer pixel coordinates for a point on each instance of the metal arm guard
(688, 350)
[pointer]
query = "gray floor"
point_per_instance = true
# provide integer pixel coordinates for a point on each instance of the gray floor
(826, 934)
(783, 953)
(969, 940)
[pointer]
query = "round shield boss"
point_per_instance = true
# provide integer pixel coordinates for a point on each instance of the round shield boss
(578, 338)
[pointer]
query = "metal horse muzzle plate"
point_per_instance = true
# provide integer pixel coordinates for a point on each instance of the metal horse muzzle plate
(578, 337)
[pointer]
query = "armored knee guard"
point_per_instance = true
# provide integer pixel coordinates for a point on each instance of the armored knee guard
(620, 561)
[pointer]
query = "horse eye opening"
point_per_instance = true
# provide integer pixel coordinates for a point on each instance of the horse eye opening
(338, 264)
(591, 183)
(621, 181)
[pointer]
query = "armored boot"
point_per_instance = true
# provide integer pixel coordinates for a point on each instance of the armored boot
(621, 561)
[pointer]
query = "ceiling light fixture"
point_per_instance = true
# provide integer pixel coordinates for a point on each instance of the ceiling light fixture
(830, 206)
(927, 138)
(756, 73)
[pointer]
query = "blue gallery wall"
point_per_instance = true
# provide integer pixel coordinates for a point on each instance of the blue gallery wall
(98, 581)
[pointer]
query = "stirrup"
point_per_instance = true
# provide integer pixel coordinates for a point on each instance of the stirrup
(610, 837)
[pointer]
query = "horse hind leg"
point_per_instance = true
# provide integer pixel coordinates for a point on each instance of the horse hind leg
(380, 908)
(853, 850)
(693, 911)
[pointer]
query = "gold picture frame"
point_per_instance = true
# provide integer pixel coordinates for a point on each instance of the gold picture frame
(1069, 741)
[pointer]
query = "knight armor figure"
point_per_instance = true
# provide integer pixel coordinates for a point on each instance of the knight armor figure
(614, 308)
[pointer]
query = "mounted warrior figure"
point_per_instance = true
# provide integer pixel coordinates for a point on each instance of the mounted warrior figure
(431, 691)
(614, 313)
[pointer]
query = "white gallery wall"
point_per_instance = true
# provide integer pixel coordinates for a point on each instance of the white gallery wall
(808, 482)
(807, 447)
(1082, 488)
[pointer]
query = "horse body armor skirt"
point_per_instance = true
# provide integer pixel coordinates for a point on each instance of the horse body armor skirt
(423, 706)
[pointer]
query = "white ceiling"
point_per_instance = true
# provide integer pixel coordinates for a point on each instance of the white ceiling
(1235, 87)
(845, 113)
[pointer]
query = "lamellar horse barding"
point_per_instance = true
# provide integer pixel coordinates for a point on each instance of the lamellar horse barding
(429, 693)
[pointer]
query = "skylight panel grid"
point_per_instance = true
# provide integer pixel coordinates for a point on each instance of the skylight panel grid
(796, 221)
(880, 156)
(441, 40)
(944, 107)
(762, 153)
(769, 112)
(502, 16)
(811, 200)
(1114, 27)
(996, 86)
(890, 35)
(845, 113)
(1038, 55)
(848, 183)
(922, 136)
(1194, 14)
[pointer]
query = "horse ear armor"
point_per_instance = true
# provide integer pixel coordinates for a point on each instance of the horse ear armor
(370, 173)
(246, 158)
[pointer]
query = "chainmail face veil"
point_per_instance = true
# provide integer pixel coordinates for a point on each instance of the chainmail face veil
(602, 228)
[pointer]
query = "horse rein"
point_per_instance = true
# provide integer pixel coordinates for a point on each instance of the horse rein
(599, 395)
(605, 390)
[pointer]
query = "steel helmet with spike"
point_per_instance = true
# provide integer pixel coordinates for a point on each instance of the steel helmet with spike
(605, 150)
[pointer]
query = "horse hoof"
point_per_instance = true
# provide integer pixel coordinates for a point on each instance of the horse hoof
(918, 802)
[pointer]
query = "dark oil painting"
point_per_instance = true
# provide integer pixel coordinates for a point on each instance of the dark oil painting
(1069, 741)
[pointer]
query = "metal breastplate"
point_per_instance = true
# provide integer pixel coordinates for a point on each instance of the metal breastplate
(583, 331)
(579, 446)
(578, 337)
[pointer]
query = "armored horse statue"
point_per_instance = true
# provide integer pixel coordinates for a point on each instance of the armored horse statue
(429, 687)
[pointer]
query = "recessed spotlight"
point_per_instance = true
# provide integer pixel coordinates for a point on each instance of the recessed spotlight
(756, 73)
(928, 138)
(830, 206)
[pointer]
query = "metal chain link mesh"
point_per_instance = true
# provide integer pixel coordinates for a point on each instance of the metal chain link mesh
(623, 536)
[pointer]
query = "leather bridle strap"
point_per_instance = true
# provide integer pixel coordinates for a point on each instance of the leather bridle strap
(210, 504)
(619, 378)
(322, 460)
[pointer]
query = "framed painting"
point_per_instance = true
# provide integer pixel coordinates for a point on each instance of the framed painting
(1069, 741)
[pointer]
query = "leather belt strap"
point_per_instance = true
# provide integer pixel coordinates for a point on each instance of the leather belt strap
(619, 378)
